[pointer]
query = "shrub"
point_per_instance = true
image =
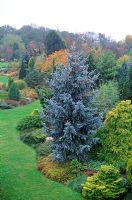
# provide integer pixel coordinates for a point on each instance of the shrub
(129, 170)
(4, 105)
(21, 84)
(29, 92)
(44, 94)
(44, 149)
(12, 102)
(10, 81)
(106, 184)
(75, 167)
(106, 97)
(75, 184)
(13, 92)
(116, 135)
(34, 137)
(54, 170)
(55, 59)
(35, 112)
(34, 78)
(29, 122)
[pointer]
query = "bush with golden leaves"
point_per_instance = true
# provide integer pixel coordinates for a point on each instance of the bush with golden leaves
(29, 92)
(54, 59)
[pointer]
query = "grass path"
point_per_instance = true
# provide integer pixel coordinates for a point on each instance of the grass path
(19, 178)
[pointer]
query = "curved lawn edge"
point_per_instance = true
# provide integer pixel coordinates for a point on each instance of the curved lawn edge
(19, 178)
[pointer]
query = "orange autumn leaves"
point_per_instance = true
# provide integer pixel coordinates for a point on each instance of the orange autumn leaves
(54, 59)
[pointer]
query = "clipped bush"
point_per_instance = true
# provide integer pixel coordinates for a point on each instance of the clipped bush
(29, 122)
(115, 136)
(76, 184)
(21, 84)
(129, 170)
(13, 92)
(106, 184)
(44, 149)
(34, 137)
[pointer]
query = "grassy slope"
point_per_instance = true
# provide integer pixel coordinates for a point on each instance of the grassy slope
(19, 178)
(4, 79)
(4, 64)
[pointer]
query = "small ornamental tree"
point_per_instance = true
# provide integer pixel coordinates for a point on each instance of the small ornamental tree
(24, 66)
(68, 115)
(34, 78)
(13, 92)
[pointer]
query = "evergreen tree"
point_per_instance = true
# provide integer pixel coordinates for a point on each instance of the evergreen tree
(34, 78)
(124, 78)
(68, 115)
(31, 63)
(24, 66)
(90, 62)
(13, 92)
(53, 42)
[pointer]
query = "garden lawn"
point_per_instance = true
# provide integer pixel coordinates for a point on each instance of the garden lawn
(19, 178)
(4, 79)
(4, 64)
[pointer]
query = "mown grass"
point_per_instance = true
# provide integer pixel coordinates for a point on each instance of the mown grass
(4, 64)
(3, 95)
(19, 178)
(4, 79)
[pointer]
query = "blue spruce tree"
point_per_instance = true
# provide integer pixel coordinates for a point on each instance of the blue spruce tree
(68, 116)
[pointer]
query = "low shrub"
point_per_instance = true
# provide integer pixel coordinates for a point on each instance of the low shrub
(56, 171)
(94, 164)
(44, 149)
(129, 170)
(75, 167)
(29, 92)
(21, 84)
(12, 102)
(106, 184)
(34, 137)
(4, 105)
(75, 184)
(29, 122)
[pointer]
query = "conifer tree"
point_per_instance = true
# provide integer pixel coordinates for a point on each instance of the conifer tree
(68, 116)
(53, 42)
(13, 92)
(24, 66)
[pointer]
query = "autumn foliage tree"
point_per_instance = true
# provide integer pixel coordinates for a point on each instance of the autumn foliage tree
(54, 59)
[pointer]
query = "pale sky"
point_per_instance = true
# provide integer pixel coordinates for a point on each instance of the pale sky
(112, 17)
